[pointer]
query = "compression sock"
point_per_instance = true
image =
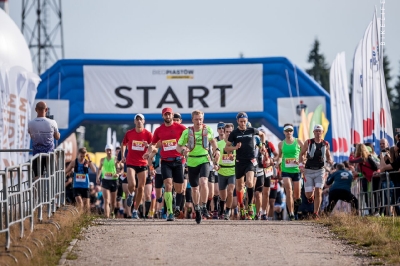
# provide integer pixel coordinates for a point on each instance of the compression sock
(239, 195)
(168, 201)
(179, 199)
(209, 204)
(165, 206)
(147, 205)
(182, 205)
(221, 207)
(215, 199)
(250, 192)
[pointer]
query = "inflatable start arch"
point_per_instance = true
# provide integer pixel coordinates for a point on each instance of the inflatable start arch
(271, 90)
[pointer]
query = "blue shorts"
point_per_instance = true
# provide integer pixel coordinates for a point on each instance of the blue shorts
(294, 176)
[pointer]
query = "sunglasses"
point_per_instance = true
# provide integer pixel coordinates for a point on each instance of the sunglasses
(289, 130)
(221, 128)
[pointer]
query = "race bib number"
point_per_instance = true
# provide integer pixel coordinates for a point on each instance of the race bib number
(254, 161)
(80, 177)
(123, 176)
(291, 162)
(274, 184)
(138, 145)
(108, 175)
(169, 145)
(269, 171)
(227, 159)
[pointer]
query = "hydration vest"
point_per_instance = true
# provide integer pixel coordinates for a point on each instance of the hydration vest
(85, 168)
(312, 161)
(192, 139)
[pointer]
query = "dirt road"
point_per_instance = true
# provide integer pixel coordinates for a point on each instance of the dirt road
(157, 242)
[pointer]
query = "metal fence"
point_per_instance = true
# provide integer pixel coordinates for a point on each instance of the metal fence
(22, 195)
(380, 196)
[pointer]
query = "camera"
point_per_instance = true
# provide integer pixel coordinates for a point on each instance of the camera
(48, 114)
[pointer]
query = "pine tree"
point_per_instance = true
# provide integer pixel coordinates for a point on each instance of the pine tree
(319, 70)
(388, 78)
(395, 110)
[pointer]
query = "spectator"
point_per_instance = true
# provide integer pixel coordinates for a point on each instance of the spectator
(43, 131)
(340, 184)
(366, 167)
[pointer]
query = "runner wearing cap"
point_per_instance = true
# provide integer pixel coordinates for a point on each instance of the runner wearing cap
(197, 138)
(80, 167)
(289, 150)
(108, 172)
(171, 160)
(177, 118)
(243, 137)
(136, 141)
(318, 153)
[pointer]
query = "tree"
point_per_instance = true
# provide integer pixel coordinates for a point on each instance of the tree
(319, 70)
(395, 110)
(388, 78)
(96, 135)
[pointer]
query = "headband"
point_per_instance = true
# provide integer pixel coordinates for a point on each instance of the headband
(287, 127)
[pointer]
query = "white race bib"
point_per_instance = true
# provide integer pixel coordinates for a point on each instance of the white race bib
(269, 171)
(291, 162)
(138, 145)
(80, 178)
(169, 145)
(228, 159)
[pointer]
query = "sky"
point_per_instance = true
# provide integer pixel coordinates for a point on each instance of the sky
(178, 29)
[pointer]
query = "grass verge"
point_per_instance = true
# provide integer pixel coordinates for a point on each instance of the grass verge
(379, 236)
(46, 243)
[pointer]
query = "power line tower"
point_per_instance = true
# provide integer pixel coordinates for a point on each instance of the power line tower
(43, 29)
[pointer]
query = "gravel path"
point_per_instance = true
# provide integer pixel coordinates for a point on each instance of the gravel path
(157, 242)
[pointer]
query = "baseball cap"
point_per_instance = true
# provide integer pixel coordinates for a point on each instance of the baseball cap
(108, 147)
(91, 184)
(139, 115)
(220, 124)
(318, 127)
(167, 110)
(177, 115)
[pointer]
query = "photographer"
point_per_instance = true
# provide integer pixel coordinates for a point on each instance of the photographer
(43, 131)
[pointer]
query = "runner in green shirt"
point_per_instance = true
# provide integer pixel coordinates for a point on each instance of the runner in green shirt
(197, 139)
(226, 175)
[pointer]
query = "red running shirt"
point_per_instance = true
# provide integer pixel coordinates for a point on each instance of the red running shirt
(169, 137)
(136, 144)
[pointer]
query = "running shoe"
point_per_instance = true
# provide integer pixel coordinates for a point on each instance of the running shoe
(170, 217)
(135, 215)
(226, 216)
(250, 211)
(164, 216)
(264, 217)
(315, 216)
(291, 217)
(215, 215)
(243, 214)
(112, 215)
(129, 200)
(198, 216)
(257, 217)
(248, 216)
(177, 211)
(205, 213)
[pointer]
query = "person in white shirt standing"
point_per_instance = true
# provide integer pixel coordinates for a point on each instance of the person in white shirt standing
(43, 132)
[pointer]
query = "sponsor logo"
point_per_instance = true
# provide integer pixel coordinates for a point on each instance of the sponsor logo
(175, 73)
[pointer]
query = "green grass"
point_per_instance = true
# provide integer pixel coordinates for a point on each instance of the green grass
(380, 236)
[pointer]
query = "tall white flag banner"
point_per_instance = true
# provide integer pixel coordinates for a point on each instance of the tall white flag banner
(367, 85)
(340, 109)
(137, 89)
(18, 90)
(357, 97)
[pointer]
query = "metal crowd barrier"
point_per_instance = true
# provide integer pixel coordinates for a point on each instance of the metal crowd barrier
(21, 195)
(381, 200)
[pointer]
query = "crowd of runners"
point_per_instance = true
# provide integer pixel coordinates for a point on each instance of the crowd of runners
(180, 172)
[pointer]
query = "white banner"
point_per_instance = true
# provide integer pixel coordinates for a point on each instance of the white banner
(148, 89)
(357, 97)
(289, 108)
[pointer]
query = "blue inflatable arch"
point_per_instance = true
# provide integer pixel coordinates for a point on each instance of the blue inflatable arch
(284, 89)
